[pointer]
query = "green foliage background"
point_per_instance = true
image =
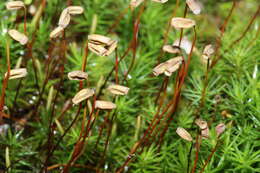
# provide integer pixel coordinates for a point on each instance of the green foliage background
(232, 79)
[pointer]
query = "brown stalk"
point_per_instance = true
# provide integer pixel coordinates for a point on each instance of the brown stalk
(183, 75)
(169, 116)
(197, 144)
(168, 106)
(247, 28)
(85, 56)
(5, 81)
(62, 55)
(153, 127)
(165, 111)
(27, 56)
(185, 14)
(83, 120)
(30, 45)
(51, 129)
(136, 146)
(69, 2)
(157, 117)
(29, 51)
(163, 87)
(218, 46)
(60, 139)
(112, 70)
(254, 39)
(133, 150)
(82, 138)
(164, 91)
(84, 63)
(76, 151)
(90, 118)
(240, 37)
(116, 68)
(102, 128)
(47, 76)
(64, 110)
(107, 139)
(83, 68)
(80, 86)
(128, 160)
(209, 157)
(222, 30)
(121, 15)
(24, 23)
(135, 38)
(165, 40)
(78, 147)
(219, 41)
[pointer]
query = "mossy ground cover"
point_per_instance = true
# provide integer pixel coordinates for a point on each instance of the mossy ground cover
(42, 130)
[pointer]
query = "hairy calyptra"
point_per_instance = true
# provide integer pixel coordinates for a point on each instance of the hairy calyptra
(135, 3)
(184, 134)
(173, 64)
(203, 125)
(64, 19)
(207, 53)
(160, 1)
(220, 128)
(171, 49)
(56, 32)
(101, 45)
(182, 23)
(83, 95)
(185, 44)
(18, 36)
(168, 67)
(118, 89)
(194, 6)
(100, 104)
(14, 5)
(17, 73)
(75, 10)
(77, 75)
